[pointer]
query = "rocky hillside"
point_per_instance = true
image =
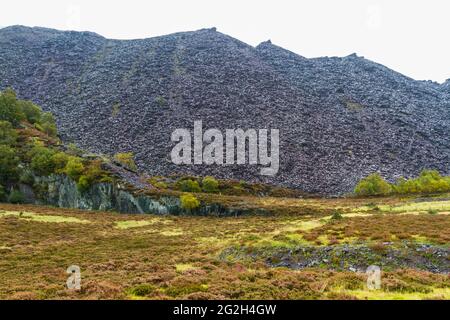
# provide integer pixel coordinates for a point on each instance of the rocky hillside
(340, 119)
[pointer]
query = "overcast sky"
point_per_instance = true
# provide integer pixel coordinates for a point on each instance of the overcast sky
(409, 36)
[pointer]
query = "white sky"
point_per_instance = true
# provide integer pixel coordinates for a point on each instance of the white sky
(409, 36)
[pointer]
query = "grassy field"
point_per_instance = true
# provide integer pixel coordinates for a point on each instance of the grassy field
(252, 257)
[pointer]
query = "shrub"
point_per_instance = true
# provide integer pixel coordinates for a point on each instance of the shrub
(9, 108)
(429, 181)
(159, 184)
(8, 135)
(337, 215)
(126, 159)
(48, 124)
(74, 168)
(16, 197)
(238, 190)
(38, 127)
(83, 183)
(42, 161)
(142, 290)
(188, 185)
(209, 184)
(8, 164)
(2, 193)
(31, 111)
(373, 185)
(189, 202)
(26, 177)
(29, 149)
(404, 186)
(93, 173)
(73, 150)
(60, 160)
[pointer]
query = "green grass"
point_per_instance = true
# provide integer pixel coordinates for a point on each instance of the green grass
(411, 207)
(303, 225)
(132, 224)
(438, 293)
(172, 232)
(29, 216)
(183, 267)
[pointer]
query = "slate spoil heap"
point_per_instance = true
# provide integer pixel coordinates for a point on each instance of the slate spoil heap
(340, 119)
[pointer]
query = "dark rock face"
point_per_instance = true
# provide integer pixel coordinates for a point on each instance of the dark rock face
(340, 119)
(61, 191)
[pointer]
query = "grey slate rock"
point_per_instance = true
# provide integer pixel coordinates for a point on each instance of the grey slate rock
(340, 119)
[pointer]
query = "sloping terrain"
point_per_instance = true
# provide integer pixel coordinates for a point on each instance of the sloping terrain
(339, 118)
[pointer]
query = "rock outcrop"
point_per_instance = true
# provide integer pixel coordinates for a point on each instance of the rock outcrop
(340, 119)
(61, 191)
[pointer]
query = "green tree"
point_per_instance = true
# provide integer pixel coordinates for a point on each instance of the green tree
(83, 183)
(429, 181)
(31, 111)
(209, 184)
(447, 179)
(92, 173)
(26, 177)
(42, 161)
(48, 124)
(8, 135)
(60, 160)
(188, 185)
(74, 168)
(9, 108)
(2, 193)
(8, 164)
(373, 185)
(16, 197)
(404, 186)
(189, 202)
